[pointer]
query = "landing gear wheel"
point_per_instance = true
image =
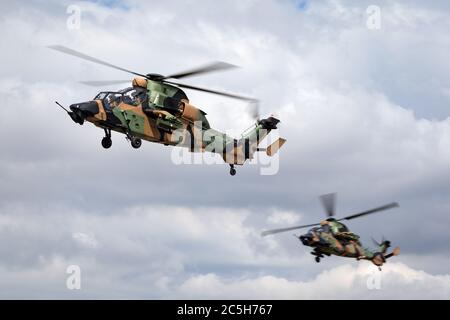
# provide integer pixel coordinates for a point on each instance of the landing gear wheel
(136, 143)
(232, 170)
(317, 259)
(106, 142)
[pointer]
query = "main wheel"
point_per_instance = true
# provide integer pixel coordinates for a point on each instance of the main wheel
(232, 171)
(106, 142)
(317, 259)
(136, 143)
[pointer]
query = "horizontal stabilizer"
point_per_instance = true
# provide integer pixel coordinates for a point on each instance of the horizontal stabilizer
(396, 252)
(274, 147)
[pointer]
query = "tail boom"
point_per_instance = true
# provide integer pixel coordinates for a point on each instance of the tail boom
(245, 148)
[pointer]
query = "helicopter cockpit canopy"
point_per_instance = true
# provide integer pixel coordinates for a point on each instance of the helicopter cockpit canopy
(324, 228)
(131, 96)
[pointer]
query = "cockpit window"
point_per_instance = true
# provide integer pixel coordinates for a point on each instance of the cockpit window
(112, 100)
(131, 96)
(325, 228)
(134, 96)
(100, 96)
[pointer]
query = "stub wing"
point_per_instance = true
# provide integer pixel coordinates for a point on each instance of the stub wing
(395, 252)
(274, 147)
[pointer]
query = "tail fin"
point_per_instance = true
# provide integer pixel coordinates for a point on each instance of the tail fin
(380, 257)
(241, 150)
(251, 139)
(269, 124)
(384, 246)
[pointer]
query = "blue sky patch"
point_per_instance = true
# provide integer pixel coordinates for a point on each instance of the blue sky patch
(120, 4)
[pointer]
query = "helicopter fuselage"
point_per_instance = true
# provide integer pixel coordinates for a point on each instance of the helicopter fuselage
(332, 237)
(345, 244)
(157, 116)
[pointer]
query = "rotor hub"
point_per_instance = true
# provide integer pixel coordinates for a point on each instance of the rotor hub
(155, 76)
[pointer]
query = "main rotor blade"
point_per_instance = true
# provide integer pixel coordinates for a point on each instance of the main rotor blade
(382, 208)
(266, 233)
(329, 203)
(214, 66)
(104, 83)
(89, 58)
(229, 95)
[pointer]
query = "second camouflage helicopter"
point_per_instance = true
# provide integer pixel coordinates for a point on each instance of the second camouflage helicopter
(332, 237)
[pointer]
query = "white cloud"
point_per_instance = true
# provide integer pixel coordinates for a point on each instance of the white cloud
(283, 217)
(396, 281)
(85, 239)
(177, 252)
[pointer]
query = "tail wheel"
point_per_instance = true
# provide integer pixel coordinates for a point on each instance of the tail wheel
(106, 142)
(232, 170)
(317, 259)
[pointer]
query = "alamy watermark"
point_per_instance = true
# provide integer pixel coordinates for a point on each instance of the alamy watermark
(208, 147)
(73, 21)
(373, 21)
(73, 281)
(373, 281)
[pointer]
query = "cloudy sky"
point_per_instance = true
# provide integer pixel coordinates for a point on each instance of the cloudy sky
(365, 111)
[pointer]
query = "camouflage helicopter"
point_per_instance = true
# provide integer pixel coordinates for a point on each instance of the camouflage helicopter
(332, 237)
(158, 110)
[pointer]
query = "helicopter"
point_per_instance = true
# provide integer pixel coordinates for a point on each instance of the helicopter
(332, 237)
(156, 109)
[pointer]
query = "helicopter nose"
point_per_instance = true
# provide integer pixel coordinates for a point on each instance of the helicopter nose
(305, 239)
(85, 109)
